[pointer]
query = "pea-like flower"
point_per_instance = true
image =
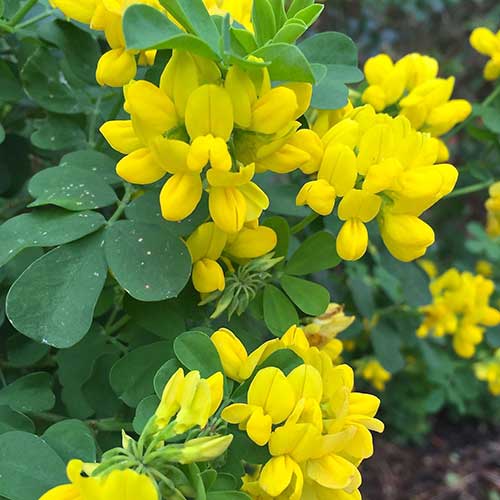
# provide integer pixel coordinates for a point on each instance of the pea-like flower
(488, 43)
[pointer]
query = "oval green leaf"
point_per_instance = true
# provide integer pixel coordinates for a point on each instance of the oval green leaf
(309, 297)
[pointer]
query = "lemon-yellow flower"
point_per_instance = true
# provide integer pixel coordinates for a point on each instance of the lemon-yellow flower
(488, 43)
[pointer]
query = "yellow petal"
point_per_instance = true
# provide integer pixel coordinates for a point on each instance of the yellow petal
(319, 195)
(216, 385)
(376, 68)
(251, 243)
(116, 68)
(232, 352)
(172, 155)
(352, 240)
(303, 93)
(206, 241)
(243, 95)
(276, 475)
(259, 427)
(485, 41)
(209, 110)
(127, 483)
(208, 276)
(140, 167)
(121, 136)
(306, 382)
(81, 11)
(339, 168)
(153, 113)
(180, 196)
(237, 413)
(359, 204)
(228, 208)
(331, 471)
(274, 111)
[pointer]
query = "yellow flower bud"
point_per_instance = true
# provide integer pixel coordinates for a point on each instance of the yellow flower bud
(319, 195)
(116, 68)
(206, 241)
(339, 168)
(251, 243)
(208, 276)
(180, 196)
(352, 240)
(274, 111)
(232, 353)
(204, 449)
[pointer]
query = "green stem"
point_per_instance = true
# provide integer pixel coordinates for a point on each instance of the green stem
(6, 27)
(122, 204)
(487, 100)
(34, 20)
(104, 424)
(304, 223)
(22, 12)
(93, 122)
(470, 189)
(112, 329)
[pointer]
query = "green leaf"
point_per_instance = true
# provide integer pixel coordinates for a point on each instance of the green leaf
(10, 87)
(145, 410)
(224, 482)
(80, 49)
(28, 466)
(161, 318)
(290, 31)
(317, 253)
(12, 420)
(75, 367)
(132, 376)
(56, 132)
(362, 293)
(330, 48)
(338, 56)
(147, 28)
(96, 162)
(163, 375)
(146, 209)
(279, 312)
(53, 301)
(29, 393)
(40, 77)
(264, 21)
(71, 188)
(150, 265)
(310, 14)
(45, 228)
(311, 298)
(24, 352)
(282, 230)
(2, 134)
(194, 16)
(71, 439)
(288, 63)
(282, 198)
(387, 346)
(297, 6)
(196, 351)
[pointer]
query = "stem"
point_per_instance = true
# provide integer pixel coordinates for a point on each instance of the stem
(112, 329)
(470, 189)
(93, 122)
(304, 223)
(6, 27)
(122, 204)
(487, 100)
(104, 424)
(34, 20)
(22, 12)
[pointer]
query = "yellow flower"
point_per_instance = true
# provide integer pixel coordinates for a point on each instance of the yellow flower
(240, 10)
(489, 371)
(460, 308)
(488, 43)
(322, 329)
(429, 267)
(356, 208)
(118, 484)
(386, 82)
(376, 374)
(191, 399)
(270, 401)
(251, 242)
(492, 206)
(484, 268)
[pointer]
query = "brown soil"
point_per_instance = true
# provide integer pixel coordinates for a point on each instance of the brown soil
(460, 462)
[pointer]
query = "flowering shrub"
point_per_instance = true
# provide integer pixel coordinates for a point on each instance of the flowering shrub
(184, 308)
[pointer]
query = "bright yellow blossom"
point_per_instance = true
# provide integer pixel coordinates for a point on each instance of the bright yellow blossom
(460, 308)
(191, 399)
(488, 43)
(118, 484)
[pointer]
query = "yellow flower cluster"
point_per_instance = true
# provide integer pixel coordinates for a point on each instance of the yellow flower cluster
(460, 308)
(118, 66)
(488, 43)
(383, 169)
(493, 211)
(118, 484)
(375, 373)
(188, 401)
(412, 84)
(489, 371)
(317, 430)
